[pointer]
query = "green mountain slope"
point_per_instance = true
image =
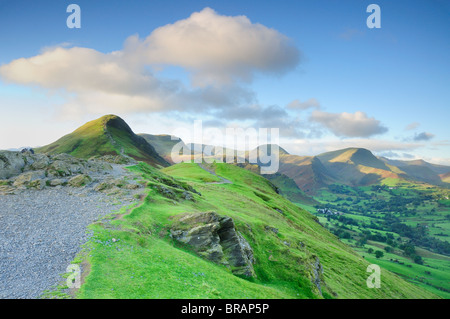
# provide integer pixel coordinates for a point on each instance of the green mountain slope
(108, 135)
(163, 144)
(288, 188)
(136, 256)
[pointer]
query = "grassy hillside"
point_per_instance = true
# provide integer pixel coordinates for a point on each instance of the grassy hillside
(133, 256)
(288, 188)
(108, 135)
(356, 166)
(163, 144)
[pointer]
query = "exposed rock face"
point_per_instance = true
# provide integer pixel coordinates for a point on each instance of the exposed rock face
(215, 238)
(25, 170)
(79, 180)
(30, 179)
(316, 274)
(11, 164)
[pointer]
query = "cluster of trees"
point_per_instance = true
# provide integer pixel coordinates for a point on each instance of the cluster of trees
(389, 213)
(418, 235)
(378, 253)
(410, 251)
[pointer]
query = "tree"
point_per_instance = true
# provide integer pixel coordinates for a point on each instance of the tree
(379, 254)
(370, 250)
(418, 260)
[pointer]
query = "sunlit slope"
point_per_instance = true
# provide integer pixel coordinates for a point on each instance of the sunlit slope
(286, 241)
(108, 135)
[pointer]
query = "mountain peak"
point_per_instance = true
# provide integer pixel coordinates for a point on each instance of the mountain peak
(269, 148)
(114, 121)
(107, 135)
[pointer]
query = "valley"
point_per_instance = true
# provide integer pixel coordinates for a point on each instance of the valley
(405, 228)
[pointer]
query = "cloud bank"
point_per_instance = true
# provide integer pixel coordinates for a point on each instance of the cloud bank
(219, 52)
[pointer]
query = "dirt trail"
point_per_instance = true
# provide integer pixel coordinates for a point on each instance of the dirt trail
(223, 180)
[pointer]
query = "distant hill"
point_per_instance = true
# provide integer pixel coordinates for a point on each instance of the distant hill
(445, 177)
(356, 167)
(422, 171)
(308, 172)
(108, 135)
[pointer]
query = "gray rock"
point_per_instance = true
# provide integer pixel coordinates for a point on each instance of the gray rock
(59, 169)
(215, 238)
(41, 161)
(57, 182)
(11, 164)
(79, 180)
(23, 180)
(272, 229)
(316, 274)
(187, 196)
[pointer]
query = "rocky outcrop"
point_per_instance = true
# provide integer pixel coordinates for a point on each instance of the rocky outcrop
(316, 272)
(26, 170)
(215, 238)
(115, 159)
(33, 179)
(11, 164)
(79, 180)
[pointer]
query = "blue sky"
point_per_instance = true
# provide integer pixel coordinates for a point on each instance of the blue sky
(384, 89)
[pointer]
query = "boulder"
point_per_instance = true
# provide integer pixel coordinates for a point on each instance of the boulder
(40, 161)
(11, 164)
(57, 182)
(103, 186)
(79, 180)
(24, 180)
(59, 169)
(37, 184)
(215, 238)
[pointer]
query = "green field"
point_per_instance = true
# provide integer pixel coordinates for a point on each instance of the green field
(373, 218)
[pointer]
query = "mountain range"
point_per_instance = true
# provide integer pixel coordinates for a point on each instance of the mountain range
(351, 166)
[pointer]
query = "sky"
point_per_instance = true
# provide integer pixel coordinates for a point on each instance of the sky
(312, 69)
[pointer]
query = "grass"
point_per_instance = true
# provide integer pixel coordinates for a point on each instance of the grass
(144, 262)
(190, 172)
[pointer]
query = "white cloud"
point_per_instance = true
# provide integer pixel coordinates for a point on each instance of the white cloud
(217, 49)
(345, 124)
